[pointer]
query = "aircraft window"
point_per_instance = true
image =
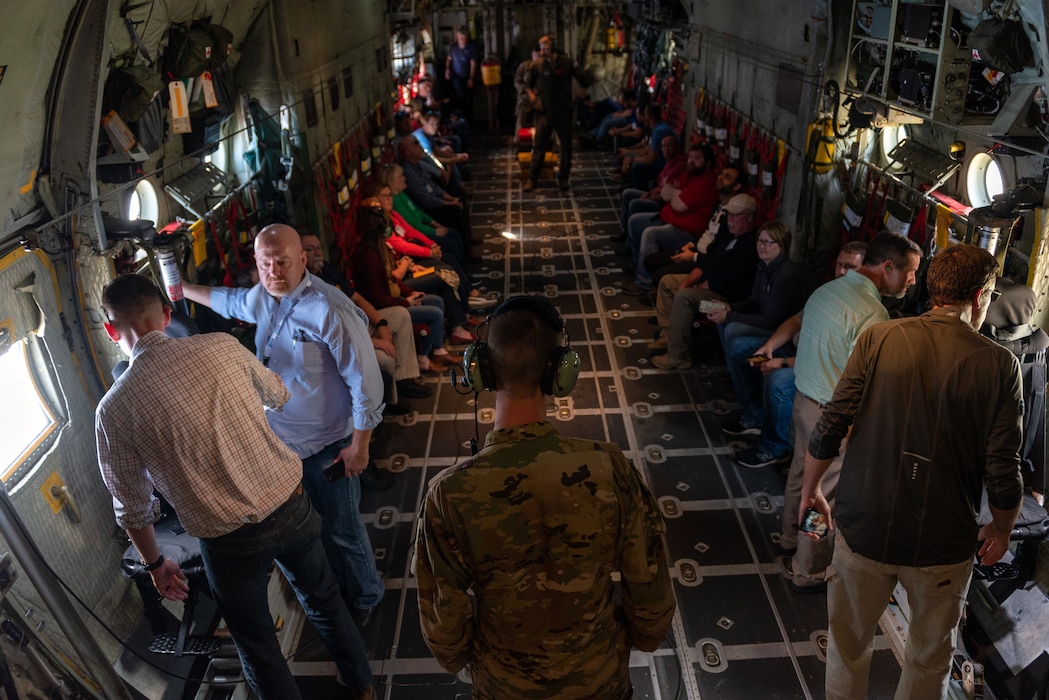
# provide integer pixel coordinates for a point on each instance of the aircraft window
(890, 138)
(143, 203)
(218, 159)
(404, 53)
(26, 419)
(984, 180)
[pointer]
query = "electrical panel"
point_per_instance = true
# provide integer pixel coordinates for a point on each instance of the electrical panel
(908, 55)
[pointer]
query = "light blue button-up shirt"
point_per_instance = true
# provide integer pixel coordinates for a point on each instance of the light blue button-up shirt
(317, 341)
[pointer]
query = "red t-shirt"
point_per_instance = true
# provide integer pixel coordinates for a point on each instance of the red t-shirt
(700, 195)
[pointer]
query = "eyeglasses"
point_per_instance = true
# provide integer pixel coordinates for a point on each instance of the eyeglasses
(765, 243)
(995, 294)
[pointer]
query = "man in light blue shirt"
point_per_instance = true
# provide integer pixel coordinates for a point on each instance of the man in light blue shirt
(317, 340)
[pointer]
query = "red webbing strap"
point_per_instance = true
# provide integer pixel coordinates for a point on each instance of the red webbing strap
(875, 207)
(229, 280)
(920, 225)
(235, 212)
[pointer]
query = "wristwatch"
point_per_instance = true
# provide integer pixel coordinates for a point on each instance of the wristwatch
(381, 322)
(154, 566)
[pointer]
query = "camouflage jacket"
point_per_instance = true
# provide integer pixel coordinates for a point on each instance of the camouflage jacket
(535, 524)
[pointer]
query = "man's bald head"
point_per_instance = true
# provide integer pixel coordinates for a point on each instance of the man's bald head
(280, 259)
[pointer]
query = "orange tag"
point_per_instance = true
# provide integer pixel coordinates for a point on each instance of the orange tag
(179, 108)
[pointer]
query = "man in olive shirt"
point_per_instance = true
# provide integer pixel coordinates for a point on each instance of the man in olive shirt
(535, 524)
(935, 412)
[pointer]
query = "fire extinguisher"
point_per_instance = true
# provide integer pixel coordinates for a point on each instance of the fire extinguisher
(165, 246)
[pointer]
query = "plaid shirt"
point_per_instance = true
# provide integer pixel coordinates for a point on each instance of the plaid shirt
(188, 417)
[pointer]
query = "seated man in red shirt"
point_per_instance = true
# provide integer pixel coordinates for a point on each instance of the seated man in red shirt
(681, 220)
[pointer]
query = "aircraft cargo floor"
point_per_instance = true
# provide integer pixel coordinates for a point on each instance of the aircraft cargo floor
(740, 631)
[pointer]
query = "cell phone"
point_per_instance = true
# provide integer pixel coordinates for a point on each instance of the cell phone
(814, 523)
(707, 306)
(757, 360)
(335, 471)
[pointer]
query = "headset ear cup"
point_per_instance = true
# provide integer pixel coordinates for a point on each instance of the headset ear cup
(561, 372)
(476, 369)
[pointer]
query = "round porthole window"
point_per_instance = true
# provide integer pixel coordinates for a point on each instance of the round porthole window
(983, 180)
(143, 202)
(890, 138)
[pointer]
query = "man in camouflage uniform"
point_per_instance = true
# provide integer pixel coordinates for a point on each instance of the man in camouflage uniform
(535, 524)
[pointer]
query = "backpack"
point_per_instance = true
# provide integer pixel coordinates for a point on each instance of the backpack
(1001, 44)
(129, 90)
(221, 44)
(197, 48)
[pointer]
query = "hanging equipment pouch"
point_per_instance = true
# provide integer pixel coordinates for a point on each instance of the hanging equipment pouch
(1001, 44)
(189, 51)
(221, 44)
(129, 90)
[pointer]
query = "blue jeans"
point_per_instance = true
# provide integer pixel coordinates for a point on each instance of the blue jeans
(777, 433)
(630, 203)
(636, 226)
(343, 533)
(601, 132)
(739, 341)
(238, 567)
(655, 238)
(642, 175)
(430, 313)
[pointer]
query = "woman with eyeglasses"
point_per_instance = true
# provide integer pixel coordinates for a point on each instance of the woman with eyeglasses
(451, 243)
(778, 293)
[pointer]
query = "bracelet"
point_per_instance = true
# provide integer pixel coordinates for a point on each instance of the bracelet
(154, 566)
(381, 322)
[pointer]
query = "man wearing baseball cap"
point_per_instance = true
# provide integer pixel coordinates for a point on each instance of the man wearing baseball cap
(726, 276)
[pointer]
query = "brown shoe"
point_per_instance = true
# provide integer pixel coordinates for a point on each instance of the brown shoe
(528, 186)
(366, 694)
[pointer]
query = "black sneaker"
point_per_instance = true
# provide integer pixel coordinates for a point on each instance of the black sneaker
(754, 458)
(734, 427)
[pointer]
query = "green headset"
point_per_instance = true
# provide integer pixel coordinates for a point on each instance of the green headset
(562, 366)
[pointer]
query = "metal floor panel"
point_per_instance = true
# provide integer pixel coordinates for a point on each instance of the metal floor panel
(737, 599)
